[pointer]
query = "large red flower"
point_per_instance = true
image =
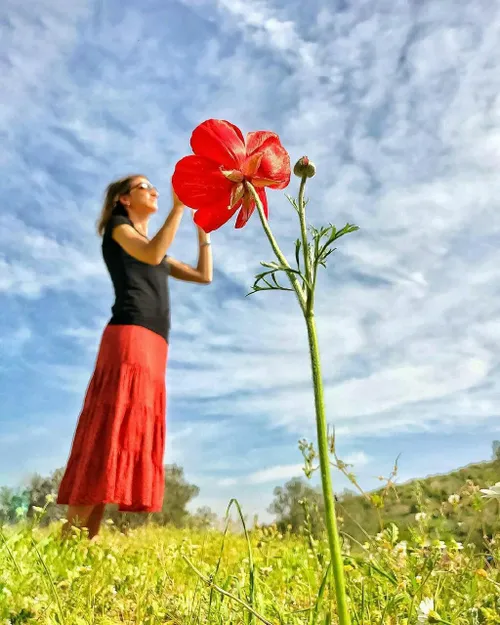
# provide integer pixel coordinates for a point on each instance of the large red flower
(213, 179)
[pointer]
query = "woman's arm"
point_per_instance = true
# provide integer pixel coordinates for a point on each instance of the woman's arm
(153, 251)
(203, 272)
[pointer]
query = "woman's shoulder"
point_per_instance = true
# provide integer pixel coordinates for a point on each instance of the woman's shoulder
(115, 220)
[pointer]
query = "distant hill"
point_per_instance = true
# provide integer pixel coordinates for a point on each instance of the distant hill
(467, 520)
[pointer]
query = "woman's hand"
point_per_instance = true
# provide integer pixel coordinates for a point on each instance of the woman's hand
(176, 203)
(201, 232)
(203, 237)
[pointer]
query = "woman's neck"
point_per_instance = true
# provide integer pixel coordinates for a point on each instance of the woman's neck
(140, 222)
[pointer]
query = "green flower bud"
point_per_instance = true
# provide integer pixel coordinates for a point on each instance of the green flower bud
(304, 167)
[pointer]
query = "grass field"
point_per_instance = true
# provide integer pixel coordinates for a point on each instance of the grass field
(163, 575)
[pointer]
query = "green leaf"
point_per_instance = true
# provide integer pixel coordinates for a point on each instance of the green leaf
(271, 265)
(265, 276)
(298, 245)
(293, 202)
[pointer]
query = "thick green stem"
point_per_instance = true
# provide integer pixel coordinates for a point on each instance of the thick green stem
(326, 477)
(305, 248)
(306, 303)
(274, 244)
(321, 425)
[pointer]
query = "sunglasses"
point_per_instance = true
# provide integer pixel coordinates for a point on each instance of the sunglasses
(144, 185)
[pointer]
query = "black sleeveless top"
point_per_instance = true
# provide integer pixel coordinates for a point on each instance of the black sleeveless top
(141, 290)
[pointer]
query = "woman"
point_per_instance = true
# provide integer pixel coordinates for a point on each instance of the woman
(117, 451)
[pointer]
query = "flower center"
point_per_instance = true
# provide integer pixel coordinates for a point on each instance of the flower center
(237, 193)
(234, 175)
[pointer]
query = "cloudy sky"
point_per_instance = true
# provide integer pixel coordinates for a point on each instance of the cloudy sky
(396, 101)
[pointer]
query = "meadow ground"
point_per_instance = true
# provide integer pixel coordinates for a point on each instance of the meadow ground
(162, 575)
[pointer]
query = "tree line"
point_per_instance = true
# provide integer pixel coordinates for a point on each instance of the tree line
(295, 505)
(21, 503)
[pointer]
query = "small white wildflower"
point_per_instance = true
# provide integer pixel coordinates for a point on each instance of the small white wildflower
(401, 548)
(109, 522)
(493, 492)
(440, 544)
(37, 509)
(424, 610)
(6, 592)
(50, 498)
(454, 499)
(112, 590)
(425, 607)
(111, 558)
(456, 545)
(420, 516)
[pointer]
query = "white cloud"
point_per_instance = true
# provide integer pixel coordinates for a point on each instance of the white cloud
(357, 458)
(13, 343)
(273, 474)
(282, 473)
(33, 51)
(270, 475)
(22, 435)
(34, 262)
(400, 111)
(87, 338)
(227, 481)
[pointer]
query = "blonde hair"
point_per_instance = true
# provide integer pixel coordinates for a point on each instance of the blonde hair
(112, 199)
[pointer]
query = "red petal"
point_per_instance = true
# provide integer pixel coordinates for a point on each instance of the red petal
(246, 211)
(263, 198)
(251, 165)
(199, 184)
(255, 140)
(237, 193)
(209, 220)
(275, 164)
(220, 141)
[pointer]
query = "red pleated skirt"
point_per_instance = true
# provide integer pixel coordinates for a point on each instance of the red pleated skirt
(117, 451)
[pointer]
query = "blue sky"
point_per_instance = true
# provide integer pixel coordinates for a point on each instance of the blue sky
(397, 103)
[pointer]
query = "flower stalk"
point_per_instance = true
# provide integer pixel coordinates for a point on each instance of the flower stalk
(307, 305)
(326, 476)
(305, 247)
(276, 249)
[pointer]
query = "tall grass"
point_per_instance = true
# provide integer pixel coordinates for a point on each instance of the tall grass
(164, 575)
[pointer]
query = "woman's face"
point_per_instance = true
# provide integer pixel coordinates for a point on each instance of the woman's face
(142, 198)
